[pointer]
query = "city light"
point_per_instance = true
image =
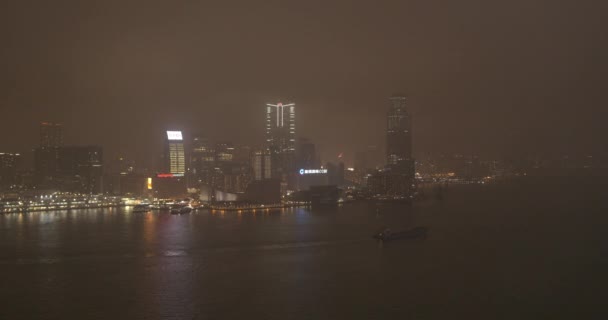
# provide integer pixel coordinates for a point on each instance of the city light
(174, 135)
(312, 171)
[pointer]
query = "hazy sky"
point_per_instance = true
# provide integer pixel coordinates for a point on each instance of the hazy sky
(493, 77)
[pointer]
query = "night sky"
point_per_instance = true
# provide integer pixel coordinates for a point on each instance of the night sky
(488, 77)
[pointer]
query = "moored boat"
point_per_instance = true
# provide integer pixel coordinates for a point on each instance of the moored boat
(141, 208)
(414, 233)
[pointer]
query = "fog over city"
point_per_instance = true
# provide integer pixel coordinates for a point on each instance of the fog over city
(495, 78)
(313, 159)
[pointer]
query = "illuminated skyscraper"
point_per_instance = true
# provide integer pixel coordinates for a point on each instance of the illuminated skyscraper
(175, 162)
(281, 138)
(202, 160)
(281, 127)
(262, 165)
(399, 132)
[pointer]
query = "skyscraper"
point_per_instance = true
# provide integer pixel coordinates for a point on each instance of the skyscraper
(175, 162)
(262, 165)
(51, 134)
(8, 169)
(398, 132)
(306, 155)
(397, 179)
(281, 137)
(281, 127)
(80, 169)
(47, 154)
(202, 161)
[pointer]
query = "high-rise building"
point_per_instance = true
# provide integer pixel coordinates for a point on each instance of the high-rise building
(202, 161)
(175, 158)
(306, 155)
(51, 134)
(262, 165)
(46, 160)
(281, 137)
(8, 169)
(80, 169)
(335, 173)
(398, 132)
(397, 179)
(46, 155)
(224, 152)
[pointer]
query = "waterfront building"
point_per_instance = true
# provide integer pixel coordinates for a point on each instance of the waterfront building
(202, 161)
(398, 177)
(69, 168)
(335, 173)
(169, 185)
(398, 132)
(262, 165)
(390, 184)
(306, 155)
(46, 155)
(9, 163)
(281, 139)
(174, 155)
(80, 169)
(309, 177)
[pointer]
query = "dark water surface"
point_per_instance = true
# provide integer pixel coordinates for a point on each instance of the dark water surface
(529, 249)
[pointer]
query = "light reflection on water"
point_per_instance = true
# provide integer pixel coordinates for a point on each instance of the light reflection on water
(506, 248)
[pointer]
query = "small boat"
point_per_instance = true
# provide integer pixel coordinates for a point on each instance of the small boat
(185, 209)
(141, 208)
(179, 209)
(414, 233)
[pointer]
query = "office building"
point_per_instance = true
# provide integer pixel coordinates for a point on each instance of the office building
(335, 173)
(281, 138)
(262, 165)
(202, 161)
(174, 156)
(80, 169)
(398, 132)
(389, 184)
(308, 178)
(224, 152)
(51, 134)
(306, 155)
(397, 179)
(9, 163)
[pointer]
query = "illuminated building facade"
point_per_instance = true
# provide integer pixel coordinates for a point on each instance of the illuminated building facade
(262, 165)
(202, 161)
(175, 158)
(281, 138)
(224, 152)
(308, 178)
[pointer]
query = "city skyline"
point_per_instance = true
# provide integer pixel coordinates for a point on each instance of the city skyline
(343, 159)
(500, 90)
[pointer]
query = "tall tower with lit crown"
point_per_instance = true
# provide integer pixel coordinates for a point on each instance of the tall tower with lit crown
(175, 159)
(281, 137)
